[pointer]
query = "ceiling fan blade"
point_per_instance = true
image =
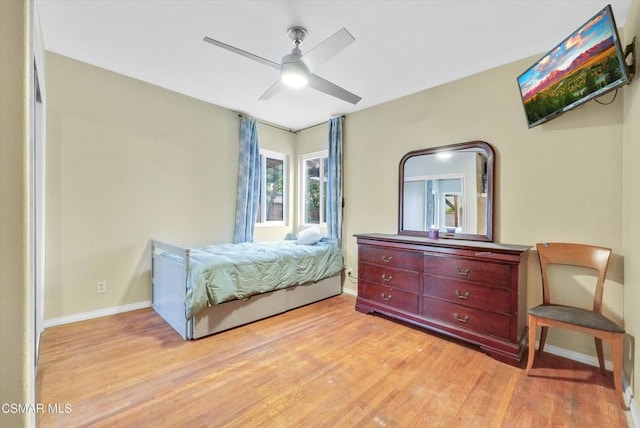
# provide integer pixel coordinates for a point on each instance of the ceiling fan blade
(243, 53)
(328, 49)
(274, 89)
(322, 85)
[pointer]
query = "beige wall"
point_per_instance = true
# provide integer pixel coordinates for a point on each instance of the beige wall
(16, 327)
(561, 181)
(631, 196)
(128, 162)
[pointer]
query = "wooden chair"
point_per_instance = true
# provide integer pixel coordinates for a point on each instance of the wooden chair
(591, 322)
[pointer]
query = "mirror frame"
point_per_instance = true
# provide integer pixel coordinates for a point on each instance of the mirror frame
(486, 147)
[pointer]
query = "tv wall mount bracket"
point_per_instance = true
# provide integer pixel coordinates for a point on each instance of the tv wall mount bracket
(630, 50)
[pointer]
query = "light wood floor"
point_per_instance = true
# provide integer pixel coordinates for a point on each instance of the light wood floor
(324, 365)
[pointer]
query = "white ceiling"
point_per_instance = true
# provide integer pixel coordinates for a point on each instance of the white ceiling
(401, 46)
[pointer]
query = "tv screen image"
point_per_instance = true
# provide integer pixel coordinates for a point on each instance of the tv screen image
(587, 64)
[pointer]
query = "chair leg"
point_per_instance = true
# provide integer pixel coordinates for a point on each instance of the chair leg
(533, 326)
(600, 355)
(543, 339)
(617, 345)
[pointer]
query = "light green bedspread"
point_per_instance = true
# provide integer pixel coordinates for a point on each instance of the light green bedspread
(219, 273)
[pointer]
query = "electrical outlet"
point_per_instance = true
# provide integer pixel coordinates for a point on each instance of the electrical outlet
(102, 287)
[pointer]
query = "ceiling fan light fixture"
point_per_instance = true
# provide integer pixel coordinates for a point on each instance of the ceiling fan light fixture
(294, 71)
(294, 74)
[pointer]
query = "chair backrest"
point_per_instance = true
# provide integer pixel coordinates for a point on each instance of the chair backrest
(582, 255)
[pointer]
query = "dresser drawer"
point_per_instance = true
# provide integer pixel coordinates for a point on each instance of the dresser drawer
(392, 258)
(468, 294)
(388, 296)
(464, 317)
(493, 274)
(396, 278)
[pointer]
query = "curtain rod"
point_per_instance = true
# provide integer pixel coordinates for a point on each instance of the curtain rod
(282, 128)
(289, 129)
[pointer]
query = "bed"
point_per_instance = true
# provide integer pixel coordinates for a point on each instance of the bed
(204, 290)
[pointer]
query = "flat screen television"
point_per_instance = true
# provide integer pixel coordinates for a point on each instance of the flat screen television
(587, 64)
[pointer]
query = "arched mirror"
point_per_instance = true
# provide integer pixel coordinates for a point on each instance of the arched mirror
(448, 188)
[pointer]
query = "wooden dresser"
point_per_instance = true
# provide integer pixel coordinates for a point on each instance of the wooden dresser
(474, 291)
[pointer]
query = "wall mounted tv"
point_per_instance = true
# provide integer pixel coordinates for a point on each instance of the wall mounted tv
(587, 64)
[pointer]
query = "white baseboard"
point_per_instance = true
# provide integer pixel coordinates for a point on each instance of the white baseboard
(96, 314)
(633, 416)
(349, 291)
(575, 356)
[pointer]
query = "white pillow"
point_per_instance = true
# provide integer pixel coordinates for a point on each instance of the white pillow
(309, 236)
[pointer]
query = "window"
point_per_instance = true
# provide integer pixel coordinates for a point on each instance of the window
(313, 185)
(273, 202)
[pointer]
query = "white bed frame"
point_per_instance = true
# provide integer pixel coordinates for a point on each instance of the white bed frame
(169, 286)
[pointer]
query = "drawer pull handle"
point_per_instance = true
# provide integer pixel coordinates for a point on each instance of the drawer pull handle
(457, 317)
(385, 297)
(387, 259)
(465, 273)
(386, 278)
(463, 296)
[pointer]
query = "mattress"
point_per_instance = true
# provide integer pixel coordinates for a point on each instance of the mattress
(221, 273)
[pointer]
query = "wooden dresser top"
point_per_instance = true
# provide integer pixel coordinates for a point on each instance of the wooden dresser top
(417, 242)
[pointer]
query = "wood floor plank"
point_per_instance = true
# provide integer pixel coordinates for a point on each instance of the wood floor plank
(323, 365)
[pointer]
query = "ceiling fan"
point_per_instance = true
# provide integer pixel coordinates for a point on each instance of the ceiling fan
(296, 68)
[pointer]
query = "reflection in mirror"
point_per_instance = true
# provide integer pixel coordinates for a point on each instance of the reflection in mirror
(448, 188)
